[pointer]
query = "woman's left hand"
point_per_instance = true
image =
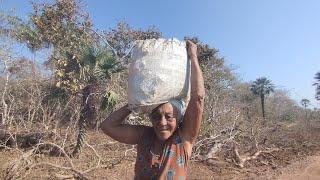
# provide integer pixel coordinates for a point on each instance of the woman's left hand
(192, 49)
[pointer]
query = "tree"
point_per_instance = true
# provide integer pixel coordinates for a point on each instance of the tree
(262, 87)
(78, 60)
(317, 84)
(122, 37)
(281, 107)
(4, 70)
(305, 103)
(81, 58)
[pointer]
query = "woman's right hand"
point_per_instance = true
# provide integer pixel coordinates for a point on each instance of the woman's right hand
(113, 126)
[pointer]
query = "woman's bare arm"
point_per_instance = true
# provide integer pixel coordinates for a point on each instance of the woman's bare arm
(193, 116)
(113, 126)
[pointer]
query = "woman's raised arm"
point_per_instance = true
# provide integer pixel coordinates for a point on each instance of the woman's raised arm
(113, 126)
(193, 116)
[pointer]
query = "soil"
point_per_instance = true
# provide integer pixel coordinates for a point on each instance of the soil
(308, 168)
(294, 161)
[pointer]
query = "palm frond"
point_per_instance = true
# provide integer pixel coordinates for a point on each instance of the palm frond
(262, 86)
(105, 65)
(109, 100)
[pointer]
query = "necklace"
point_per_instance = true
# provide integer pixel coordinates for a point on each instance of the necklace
(156, 163)
(153, 146)
(154, 156)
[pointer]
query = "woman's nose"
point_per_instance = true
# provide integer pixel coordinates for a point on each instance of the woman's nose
(163, 121)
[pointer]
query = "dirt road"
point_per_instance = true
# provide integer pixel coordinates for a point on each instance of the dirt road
(307, 169)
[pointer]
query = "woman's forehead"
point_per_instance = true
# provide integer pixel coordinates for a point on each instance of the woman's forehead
(164, 108)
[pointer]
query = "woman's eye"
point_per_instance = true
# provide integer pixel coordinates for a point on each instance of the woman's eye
(156, 117)
(169, 117)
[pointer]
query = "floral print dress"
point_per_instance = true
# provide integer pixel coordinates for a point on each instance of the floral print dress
(170, 165)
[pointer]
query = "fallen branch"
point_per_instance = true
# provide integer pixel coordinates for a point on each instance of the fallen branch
(22, 166)
(240, 160)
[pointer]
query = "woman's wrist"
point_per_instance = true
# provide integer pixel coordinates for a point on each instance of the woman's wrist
(193, 57)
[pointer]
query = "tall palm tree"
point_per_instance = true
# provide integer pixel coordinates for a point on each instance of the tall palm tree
(317, 84)
(262, 87)
(305, 103)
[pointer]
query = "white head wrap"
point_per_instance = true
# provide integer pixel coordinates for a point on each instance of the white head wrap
(181, 108)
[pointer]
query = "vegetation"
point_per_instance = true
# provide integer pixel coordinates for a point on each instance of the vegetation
(305, 103)
(317, 84)
(57, 112)
(262, 87)
(78, 61)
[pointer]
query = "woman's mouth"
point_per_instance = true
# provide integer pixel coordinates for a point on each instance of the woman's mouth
(165, 128)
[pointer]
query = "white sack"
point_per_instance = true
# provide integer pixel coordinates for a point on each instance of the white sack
(159, 71)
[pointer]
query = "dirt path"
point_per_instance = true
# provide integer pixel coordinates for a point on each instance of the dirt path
(307, 169)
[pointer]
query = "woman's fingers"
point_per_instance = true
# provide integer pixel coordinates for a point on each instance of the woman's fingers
(191, 48)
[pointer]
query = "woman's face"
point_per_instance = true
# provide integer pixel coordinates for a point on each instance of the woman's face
(164, 121)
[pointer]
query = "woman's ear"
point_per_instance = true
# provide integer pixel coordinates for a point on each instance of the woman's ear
(175, 112)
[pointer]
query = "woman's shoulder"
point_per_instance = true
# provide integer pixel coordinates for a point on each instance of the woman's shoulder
(147, 130)
(146, 136)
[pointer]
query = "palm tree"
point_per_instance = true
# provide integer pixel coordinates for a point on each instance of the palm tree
(305, 103)
(98, 65)
(81, 58)
(317, 84)
(262, 87)
(78, 58)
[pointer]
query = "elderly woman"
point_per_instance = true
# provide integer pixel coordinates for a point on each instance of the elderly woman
(163, 150)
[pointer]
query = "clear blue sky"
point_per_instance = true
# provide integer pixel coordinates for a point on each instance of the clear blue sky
(279, 39)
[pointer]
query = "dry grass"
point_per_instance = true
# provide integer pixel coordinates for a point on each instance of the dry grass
(116, 161)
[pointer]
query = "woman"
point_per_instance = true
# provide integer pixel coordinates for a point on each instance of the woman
(163, 151)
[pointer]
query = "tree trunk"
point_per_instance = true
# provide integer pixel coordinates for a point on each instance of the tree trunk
(87, 115)
(262, 107)
(5, 115)
(306, 118)
(305, 109)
